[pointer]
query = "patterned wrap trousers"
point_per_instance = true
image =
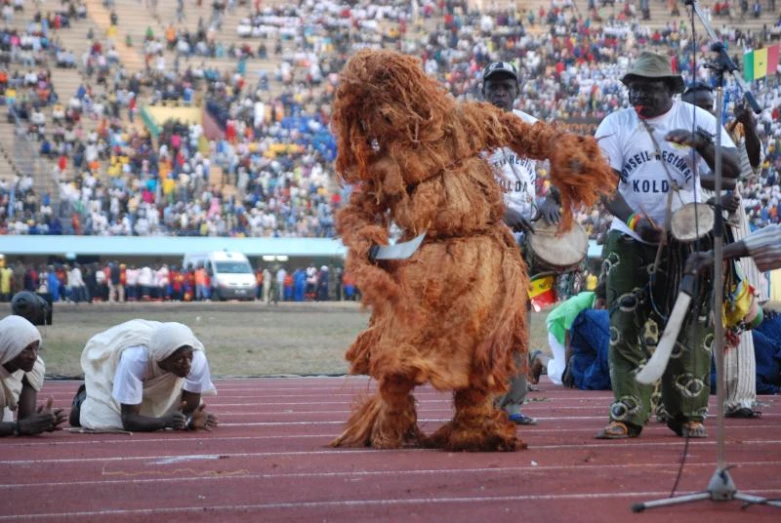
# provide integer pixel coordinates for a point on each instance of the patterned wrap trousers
(640, 300)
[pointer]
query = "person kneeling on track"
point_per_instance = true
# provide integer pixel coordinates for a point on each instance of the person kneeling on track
(144, 376)
(21, 378)
(559, 322)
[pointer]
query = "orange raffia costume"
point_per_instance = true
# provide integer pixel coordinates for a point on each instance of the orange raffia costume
(453, 314)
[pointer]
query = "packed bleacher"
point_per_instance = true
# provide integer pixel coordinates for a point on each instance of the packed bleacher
(265, 74)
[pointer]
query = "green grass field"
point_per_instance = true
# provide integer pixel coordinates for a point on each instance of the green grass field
(241, 339)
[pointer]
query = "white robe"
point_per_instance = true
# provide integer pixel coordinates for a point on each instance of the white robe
(16, 333)
(99, 361)
(11, 387)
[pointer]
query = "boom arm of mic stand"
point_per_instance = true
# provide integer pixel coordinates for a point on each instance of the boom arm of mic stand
(724, 58)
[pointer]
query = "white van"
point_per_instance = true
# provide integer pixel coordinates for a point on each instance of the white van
(230, 272)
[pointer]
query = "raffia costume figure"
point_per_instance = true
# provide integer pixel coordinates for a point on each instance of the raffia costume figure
(453, 314)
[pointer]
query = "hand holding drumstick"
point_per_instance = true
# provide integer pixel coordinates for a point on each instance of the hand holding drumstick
(646, 228)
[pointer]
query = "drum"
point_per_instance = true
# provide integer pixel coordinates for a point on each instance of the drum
(557, 253)
(691, 229)
(692, 222)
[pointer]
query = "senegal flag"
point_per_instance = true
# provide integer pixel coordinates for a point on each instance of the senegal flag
(760, 63)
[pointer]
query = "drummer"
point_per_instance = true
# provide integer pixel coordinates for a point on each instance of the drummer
(517, 177)
(654, 150)
(739, 364)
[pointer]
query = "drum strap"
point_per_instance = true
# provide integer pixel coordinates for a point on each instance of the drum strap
(674, 188)
(658, 152)
(667, 219)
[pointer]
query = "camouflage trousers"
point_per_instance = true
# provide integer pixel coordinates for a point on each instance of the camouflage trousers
(639, 300)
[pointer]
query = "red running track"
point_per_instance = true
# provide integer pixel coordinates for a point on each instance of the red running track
(269, 461)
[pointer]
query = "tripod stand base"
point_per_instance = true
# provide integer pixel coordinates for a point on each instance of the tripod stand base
(720, 488)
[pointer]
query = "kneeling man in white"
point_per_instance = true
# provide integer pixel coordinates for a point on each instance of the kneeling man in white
(143, 376)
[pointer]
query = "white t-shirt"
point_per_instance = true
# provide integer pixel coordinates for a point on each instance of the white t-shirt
(75, 279)
(162, 277)
(516, 175)
(132, 277)
(644, 181)
(134, 368)
(145, 276)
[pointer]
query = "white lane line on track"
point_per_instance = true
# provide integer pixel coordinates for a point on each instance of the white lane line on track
(425, 405)
(425, 392)
(342, 421)
(436, 396)
(425, 420)
(354, 503)
(132, 441)
(421, 410)
(279, 423)
(345, 452)
(212, 438)
(350, 400)
(183, 459)
(372, 473)
(422, 405)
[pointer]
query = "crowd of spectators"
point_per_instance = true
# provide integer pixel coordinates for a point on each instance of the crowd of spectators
(268, 170)
(120, 282)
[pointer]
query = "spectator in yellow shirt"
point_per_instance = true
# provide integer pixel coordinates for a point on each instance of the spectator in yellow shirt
(169, 186)
(5, 283)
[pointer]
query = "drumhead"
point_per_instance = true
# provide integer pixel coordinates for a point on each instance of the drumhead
(563, 251)
(692, 221)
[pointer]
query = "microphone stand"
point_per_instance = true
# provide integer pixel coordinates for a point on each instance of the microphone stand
(721, 486)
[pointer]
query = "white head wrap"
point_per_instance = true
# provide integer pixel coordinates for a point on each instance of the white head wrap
(169, 337)
(16, 333)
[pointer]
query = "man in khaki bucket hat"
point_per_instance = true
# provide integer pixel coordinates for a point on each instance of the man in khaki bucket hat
(655, 66)
(659, 147)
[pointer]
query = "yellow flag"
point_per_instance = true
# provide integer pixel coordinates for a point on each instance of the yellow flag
(760, 63)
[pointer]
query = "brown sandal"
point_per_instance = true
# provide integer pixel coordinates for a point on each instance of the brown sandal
(694, 429)
(618, 430)
(688, 429)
